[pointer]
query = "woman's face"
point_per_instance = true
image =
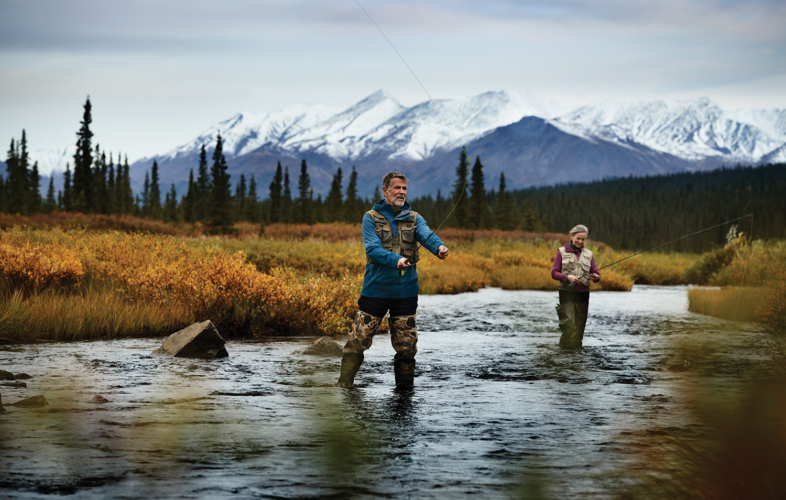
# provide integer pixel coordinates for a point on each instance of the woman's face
(578, 239)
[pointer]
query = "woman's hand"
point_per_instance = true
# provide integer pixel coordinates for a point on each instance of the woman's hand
(595, 277)
(572, 279)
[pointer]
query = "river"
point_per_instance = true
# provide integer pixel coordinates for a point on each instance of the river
(498, 411)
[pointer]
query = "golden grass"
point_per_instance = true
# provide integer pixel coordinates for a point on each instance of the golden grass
(739, 304)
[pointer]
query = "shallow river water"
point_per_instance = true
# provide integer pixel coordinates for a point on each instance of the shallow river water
(498, 411)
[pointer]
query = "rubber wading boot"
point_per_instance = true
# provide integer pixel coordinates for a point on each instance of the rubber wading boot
(404, 369)
(350, 364)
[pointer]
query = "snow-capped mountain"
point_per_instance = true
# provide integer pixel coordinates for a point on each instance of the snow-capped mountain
(532, 141)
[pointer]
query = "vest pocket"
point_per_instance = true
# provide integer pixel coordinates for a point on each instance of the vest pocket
(408, 236)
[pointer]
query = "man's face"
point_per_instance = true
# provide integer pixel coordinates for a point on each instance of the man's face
(396, 194)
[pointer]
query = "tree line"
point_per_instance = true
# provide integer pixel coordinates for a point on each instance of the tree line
(631, 213)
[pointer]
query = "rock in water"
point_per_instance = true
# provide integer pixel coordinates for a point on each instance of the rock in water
(200, 340)
(14, 384)
(31, 402)
(22, 376)
(99, 399)
(4, 375)
(2, 410)
(324, 346)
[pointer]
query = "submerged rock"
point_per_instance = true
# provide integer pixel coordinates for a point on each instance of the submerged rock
(2, 410)
(18, 385)
(4, 375)
(200, 340)
(324, 346)
(31, 402)
(22, 376)
(99, 399)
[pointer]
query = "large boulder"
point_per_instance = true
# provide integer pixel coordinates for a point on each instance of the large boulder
(200, 340)
(324, 346)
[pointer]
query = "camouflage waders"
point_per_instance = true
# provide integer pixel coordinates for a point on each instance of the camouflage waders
(361, 333)
(403, 336)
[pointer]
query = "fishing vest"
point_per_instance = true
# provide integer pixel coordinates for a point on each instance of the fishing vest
(403, 243)
(577, 267)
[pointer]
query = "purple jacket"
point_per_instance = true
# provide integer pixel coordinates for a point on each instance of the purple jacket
(556, 269)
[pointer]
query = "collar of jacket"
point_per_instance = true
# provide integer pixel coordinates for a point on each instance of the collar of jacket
(387, 210)
(569, 248)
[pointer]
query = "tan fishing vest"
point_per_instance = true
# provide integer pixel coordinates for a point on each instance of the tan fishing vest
(403, 243)
(577, 267)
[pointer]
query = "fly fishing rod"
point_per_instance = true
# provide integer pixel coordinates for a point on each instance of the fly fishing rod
(466, 177)
(669, 243)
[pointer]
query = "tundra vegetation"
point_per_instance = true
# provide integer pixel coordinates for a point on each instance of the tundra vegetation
(120, 276)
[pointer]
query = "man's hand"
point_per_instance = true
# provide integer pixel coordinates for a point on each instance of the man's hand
(572, 278)
(595, 277)
(442, 252)
(403, 263)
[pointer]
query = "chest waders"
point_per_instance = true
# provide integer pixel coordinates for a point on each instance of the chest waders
(574, 306)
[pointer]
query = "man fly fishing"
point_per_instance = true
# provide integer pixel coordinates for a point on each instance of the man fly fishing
(391, 233)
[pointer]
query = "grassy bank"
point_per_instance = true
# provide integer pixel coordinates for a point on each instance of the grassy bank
(81, 283)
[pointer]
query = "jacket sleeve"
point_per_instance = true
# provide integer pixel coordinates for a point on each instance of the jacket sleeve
(556, 269)
(374, 245)
(423, 233)
(594, 268)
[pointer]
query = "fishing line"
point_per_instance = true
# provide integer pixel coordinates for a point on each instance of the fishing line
(466, 178)
(673, 241)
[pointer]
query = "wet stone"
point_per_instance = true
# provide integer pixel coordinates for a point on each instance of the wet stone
(99, 399)
(18, 385)
(200, 340)
(33, 402)
(2, 410)
(324, 346)
(22, 376)
(4, 375)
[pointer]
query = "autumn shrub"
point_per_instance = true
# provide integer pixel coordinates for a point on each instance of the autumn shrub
(523, 278)
(32, 266)
(332, 232)
(457, 276)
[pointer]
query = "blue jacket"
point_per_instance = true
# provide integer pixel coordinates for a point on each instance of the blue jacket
(382, 280)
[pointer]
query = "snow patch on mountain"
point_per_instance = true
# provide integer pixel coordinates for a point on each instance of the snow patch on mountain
(52, 160)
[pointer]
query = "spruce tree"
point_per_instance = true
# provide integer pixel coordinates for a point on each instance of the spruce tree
(188, 203)
(333, 202)
(100, 173)
(203, 187)
(34, 201)
(252, 202)
(111, 189)
(221, 197)
(503, 216)
(303, 206)
(317, 208)
(460, 198)
(240, 198)
(68, 196)
(15, 184)
(275, 196)
(478, 203)
(351, 205)
(129, 204)
(377, 196)
(154, 197)
(170, 207)
(83, 161)
(145, 200)
(29, 193)
(51, 203)
(286, 199)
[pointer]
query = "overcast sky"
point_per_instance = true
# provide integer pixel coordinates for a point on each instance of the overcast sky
(160, 72)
